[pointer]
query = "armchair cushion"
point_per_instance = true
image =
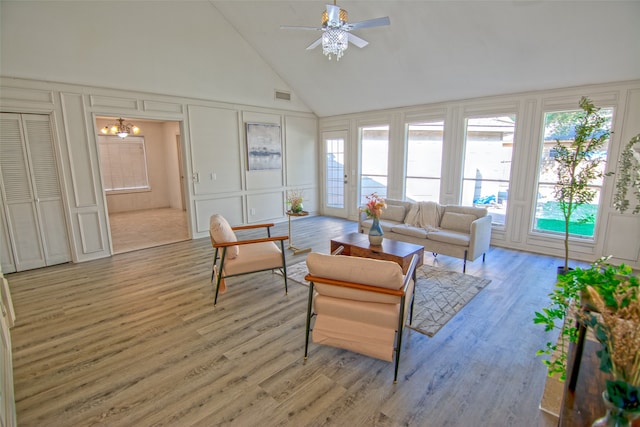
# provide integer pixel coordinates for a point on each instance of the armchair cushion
(255, 257)
(221, 232)
(384, 274)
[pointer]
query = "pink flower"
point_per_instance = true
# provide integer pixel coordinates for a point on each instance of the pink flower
(375, 205)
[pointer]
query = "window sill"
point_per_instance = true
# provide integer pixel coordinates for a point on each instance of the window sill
(127, 191)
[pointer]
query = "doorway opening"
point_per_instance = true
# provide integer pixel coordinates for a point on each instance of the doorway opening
(143, 183)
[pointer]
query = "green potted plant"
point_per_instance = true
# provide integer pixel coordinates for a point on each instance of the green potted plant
(628, 176)
(579, 164)
(565, 301)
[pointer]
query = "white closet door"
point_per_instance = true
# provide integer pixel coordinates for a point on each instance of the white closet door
(31, 195)
(21, 215)
(46, 187)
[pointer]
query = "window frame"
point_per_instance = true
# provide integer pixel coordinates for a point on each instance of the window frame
(427, 122)
(513, 114)
(600, 189)
(361, 129)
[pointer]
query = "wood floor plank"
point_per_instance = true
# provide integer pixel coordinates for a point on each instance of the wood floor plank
(136, 340)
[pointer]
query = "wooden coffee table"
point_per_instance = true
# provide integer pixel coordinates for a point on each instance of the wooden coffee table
(357, 244)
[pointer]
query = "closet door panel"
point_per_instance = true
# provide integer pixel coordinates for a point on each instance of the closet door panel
(6, 253)
(25, 236)
(19, 199)
(54, 236)
(47, 190)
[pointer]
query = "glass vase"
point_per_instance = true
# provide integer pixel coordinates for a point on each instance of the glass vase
(375, 233)
(296, 208)
(615, 416)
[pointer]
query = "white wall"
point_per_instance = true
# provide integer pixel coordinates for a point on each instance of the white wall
(172, 61)
(182, 48)
(213, 149)
(616, 234)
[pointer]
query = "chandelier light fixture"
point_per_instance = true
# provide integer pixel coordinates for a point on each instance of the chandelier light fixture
(121, 129)
(336, 31)
(335, 40)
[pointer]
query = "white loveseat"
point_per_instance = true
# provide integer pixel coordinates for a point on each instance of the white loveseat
(459, 231)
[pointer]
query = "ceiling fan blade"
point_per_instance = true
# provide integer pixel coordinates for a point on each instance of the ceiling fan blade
(315, 44)
(357, 40)
(333, 12)
(377, 22)
(289, 27)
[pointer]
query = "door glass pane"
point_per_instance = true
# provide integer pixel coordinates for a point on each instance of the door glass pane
(374, 154)
(424, 161)
(335, 173)
(487, 164)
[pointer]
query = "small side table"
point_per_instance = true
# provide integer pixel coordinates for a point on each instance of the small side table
(295, 249)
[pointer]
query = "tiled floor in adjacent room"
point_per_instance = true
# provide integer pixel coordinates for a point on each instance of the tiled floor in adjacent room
(135, 230)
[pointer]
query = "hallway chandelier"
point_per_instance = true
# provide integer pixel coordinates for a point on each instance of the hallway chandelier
(121, 129)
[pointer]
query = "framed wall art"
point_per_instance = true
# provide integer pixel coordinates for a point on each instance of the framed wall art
(264, 146)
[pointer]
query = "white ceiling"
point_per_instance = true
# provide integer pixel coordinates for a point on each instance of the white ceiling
(443, 50)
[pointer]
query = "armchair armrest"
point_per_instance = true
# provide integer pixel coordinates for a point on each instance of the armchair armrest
(480, 238)
(250, 241)
(353, 285)
(250, 226)
(361, 286)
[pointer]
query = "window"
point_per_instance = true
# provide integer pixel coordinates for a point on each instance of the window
(123, 163)
(335, 172)
(374, 153)
(487, 164)
(424, 161)
(560, 126)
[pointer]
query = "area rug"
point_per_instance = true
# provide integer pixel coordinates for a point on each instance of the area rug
(440, 294)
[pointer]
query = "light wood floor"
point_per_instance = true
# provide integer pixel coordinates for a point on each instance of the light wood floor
(134, 340)
(134, 230)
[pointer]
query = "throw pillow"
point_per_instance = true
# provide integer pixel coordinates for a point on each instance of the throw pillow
(457, 222)
(221, 232)
(393, 213)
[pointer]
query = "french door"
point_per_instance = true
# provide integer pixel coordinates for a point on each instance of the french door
(335, 195)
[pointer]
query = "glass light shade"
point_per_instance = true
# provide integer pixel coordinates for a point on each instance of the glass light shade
(334, 42)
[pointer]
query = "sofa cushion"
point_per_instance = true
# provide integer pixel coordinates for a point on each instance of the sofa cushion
(221, 232)
(457, 222)
(394, 213)
(451, 237)
(471, 210)
(386, 225)
(408, 230)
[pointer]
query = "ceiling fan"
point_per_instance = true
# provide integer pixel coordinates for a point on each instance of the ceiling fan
(336, 31)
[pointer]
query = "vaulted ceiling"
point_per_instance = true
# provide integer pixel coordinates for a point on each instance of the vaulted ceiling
(443, 50)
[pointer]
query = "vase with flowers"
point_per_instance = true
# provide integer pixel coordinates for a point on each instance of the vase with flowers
(294, 201)
(373, 209)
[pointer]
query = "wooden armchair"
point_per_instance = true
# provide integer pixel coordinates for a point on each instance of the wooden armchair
(359, 304)
(243, 256)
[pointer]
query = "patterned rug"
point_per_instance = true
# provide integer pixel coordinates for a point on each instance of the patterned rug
(440, 294)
